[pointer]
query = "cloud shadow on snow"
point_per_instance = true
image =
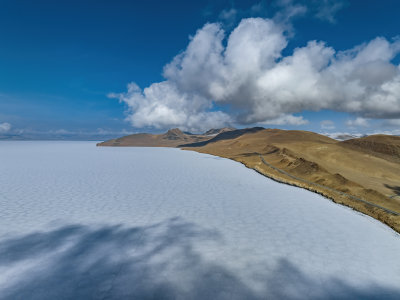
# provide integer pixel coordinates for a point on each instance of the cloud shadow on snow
(115, 262)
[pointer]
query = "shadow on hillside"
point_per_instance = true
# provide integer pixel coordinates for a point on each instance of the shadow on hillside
(228, 135)
(395, 189)
(151, 262)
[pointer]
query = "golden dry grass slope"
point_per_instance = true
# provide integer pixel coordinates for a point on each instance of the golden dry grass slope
(172, 138)
(365, 168)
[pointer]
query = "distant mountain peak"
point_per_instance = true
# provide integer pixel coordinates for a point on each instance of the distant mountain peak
(175, 130)
(174, 134)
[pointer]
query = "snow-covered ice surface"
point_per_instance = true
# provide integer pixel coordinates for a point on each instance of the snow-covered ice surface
(83, 222)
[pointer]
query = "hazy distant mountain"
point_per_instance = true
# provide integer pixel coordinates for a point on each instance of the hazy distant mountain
(218, 131)
(12, 137)
(343, 137)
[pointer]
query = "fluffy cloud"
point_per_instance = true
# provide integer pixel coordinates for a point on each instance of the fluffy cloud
(246, 71)
(163, 105)
(5, 127)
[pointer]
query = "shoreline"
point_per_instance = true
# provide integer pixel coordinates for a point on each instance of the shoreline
(365, 180)
(381, 214)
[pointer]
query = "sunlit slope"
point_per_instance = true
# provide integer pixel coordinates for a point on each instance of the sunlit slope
(317, 158)
(385, 146)
(172, 138)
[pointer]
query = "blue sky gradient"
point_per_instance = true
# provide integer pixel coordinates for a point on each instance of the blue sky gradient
(59, 60)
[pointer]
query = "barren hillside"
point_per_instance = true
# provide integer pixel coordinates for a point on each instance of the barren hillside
(172, 138)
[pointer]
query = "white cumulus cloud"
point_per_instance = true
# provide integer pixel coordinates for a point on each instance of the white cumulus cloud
(163, 105)
(246, 71)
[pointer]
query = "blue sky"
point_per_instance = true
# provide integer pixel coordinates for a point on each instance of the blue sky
(65, 66)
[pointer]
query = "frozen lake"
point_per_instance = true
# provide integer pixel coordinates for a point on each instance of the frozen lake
(82, 222)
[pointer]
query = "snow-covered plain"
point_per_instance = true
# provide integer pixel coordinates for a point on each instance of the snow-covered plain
(83, 222)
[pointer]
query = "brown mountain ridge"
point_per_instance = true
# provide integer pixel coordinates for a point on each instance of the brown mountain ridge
(172, 138)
